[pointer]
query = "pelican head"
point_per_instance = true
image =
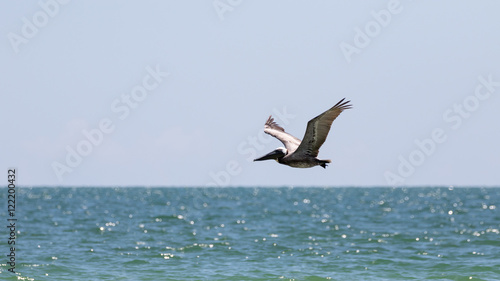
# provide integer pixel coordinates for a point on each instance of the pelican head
(276, 154)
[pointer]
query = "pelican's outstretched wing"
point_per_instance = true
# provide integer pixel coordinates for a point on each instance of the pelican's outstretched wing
(272, 128)
(318, 128)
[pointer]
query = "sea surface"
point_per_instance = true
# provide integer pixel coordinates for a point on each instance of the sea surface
(433, 233)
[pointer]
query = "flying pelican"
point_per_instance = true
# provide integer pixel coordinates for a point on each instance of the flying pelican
(302, 154)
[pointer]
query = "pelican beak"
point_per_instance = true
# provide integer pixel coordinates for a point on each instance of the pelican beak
(271, 155)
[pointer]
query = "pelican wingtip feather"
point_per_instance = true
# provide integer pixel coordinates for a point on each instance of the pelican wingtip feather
(343, 104)
(272, 124)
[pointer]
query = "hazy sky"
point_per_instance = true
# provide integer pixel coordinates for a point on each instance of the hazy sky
(176, 93)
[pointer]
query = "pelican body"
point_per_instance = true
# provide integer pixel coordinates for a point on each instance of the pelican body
(303, 154)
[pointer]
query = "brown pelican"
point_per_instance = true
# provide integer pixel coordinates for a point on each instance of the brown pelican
(302, 154)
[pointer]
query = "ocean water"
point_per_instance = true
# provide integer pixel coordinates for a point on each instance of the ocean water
(254, 234)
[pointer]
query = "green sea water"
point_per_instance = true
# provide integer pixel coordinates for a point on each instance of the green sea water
(284, 233)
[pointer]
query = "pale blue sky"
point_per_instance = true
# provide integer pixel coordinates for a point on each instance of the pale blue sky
(412, 74)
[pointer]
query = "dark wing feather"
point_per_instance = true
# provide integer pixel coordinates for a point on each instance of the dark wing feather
(318, 128)
(272, 128)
